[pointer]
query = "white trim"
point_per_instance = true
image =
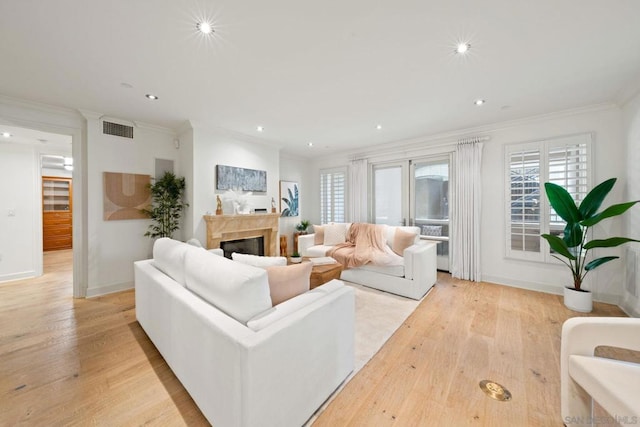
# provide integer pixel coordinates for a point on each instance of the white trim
(446, 139)
(547, 289)
(109, 289)
(17, 276)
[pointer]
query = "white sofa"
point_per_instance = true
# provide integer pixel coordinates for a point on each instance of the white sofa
(412, 279)
(277, 372)
(584, 378)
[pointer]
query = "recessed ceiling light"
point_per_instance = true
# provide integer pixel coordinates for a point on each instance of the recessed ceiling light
(205, 27)
(310, 144)
(479, 102)
(379, 127)
(260, 128)
(462, 48)
(6, 134)
(150, 96)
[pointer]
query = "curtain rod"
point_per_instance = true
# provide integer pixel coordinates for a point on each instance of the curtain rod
(414, 147)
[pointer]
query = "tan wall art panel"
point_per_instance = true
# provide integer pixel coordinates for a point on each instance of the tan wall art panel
(125, 195)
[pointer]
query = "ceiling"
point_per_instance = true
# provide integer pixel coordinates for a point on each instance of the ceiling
(324, 72)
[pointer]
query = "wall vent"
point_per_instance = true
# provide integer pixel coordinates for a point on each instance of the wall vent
(631, 273)
(117, 129)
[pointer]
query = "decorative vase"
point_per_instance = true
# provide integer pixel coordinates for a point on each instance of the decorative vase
(575, 300)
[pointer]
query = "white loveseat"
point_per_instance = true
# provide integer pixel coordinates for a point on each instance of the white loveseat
(412, 277)
(275, 372)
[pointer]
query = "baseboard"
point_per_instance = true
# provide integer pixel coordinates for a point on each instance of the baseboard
(109, 289)
(17, 276)
(548, 289)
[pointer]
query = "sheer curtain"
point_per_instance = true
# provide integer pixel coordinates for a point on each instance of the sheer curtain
(358, 200)
(465, 215)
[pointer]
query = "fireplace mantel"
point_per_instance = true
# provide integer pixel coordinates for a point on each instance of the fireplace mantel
(221, 228)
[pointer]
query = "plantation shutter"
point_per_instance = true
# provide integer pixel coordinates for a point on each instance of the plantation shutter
(524, 196)
(564, 161)
(332, 195)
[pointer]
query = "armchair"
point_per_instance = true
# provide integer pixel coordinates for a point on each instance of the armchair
(614, 384)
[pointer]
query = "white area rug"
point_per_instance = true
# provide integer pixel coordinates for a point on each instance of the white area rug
(378, 315)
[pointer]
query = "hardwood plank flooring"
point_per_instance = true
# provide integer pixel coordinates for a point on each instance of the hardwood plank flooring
(66, 361)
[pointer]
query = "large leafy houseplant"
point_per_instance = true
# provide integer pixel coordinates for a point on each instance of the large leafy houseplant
(166, 206)
(574, 245)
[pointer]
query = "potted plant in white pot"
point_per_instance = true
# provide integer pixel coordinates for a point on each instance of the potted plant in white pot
(574, 246)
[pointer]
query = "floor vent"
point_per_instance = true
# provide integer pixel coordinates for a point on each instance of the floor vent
(631, 271)
(117, 129)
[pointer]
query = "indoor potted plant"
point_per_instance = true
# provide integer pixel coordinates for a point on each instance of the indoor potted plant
(295, 258)
(301, 228)
(574, 246)
(166, 206)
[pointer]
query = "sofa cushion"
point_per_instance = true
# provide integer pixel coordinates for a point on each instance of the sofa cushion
(286, 282)
(318, 234)
(317, 251)
(259, 261)
(168, 257)
(334, 234)
(402, 240)
(240, 290)
(268, 317)
(390, 270)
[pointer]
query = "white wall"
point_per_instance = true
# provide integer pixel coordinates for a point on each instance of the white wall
(608, 154)
(631, 128)
(297, 169)
(114, 245)
(608, 161)
(213, 147)
(19, 194)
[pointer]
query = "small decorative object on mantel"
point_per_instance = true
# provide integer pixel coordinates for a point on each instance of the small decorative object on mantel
(273, 205)
(240, 201)
(218, 205)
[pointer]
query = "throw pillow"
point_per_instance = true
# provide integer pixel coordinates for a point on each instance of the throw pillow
(402, 240)
(334, 234)
(318, 234)
(286, 282)
(259, 261)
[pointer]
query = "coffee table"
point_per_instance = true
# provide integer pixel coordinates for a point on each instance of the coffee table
(321, 274)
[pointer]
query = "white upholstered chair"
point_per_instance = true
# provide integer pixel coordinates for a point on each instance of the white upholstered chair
(614, 384)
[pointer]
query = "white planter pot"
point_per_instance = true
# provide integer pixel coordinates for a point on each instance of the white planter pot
(581, 301)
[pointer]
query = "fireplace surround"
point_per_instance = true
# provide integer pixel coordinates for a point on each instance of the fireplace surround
(223, 228)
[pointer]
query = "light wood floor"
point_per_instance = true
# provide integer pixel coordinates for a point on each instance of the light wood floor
(88, 362)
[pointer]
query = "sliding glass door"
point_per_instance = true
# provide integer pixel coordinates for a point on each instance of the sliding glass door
(429, 203)
(389, 194)
(415, 192)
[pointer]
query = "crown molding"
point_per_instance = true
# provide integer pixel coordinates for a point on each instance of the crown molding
(233, 134)
(451, 137)
(38, 106)
(93, 115)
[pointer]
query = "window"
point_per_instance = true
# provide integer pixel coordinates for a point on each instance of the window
(332, 195)
(563, 161)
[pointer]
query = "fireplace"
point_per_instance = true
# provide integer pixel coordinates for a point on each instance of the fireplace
(225, 228)
(251, 246)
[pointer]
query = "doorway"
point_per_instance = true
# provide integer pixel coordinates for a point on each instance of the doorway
(415, 192)
(27, 157)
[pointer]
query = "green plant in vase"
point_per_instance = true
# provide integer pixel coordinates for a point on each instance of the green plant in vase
(573, 248)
